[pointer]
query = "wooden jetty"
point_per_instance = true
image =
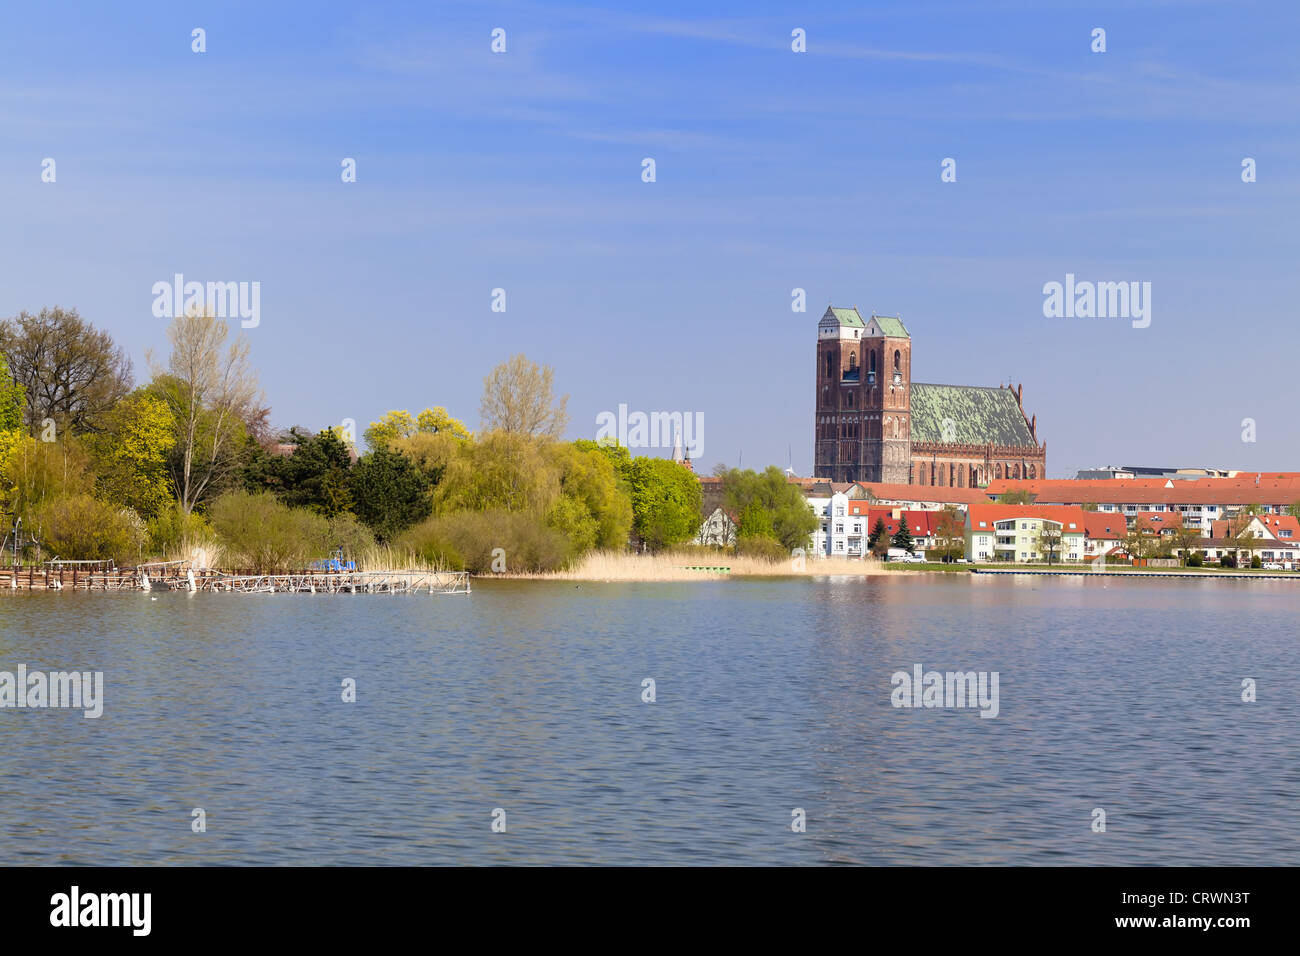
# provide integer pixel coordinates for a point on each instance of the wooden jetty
(179, 576)
(343, 582)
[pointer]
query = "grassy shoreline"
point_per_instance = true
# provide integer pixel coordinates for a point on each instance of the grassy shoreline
(607, 566)
(672, 566)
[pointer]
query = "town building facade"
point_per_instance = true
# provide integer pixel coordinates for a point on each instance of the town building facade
(1025, 534)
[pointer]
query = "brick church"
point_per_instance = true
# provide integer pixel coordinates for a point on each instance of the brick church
(874, 424)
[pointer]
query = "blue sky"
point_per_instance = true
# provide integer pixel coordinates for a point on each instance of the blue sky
(775, 170)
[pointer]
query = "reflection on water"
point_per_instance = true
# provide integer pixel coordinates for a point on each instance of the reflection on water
(771, 695)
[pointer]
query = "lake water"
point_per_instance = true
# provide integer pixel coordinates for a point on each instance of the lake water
(770, 696)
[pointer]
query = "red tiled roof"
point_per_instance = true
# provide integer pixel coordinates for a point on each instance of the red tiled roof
(1213, 491)
(989, 513)
(885, 491)
(1226, 528)
(1104, 526)
(921, 524)
(1277, 524)
(1158, 522)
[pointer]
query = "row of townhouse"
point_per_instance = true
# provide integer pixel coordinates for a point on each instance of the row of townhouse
(1196, 503)
(845, 524)
(1037, 533)
(1275, 539)
(847, 513)
(991, 532)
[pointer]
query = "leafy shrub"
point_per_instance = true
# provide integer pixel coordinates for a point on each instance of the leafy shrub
(81, 527)
(1228, 561)
(468, 539)
(1194, 560)
(174, 532)
(261, 534)
(765, 549)
(1255, 561)
(346, 532)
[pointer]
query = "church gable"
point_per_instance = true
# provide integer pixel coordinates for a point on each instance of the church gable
(968, 415)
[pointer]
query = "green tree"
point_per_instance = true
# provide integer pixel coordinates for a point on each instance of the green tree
(399, 424)
(665, 502)
(11, 399)
(618, 455)
(35, 471)
(903, 537)
(591, 495)
(500, 470)
(755, 522)
(787, 517)
(878, 540)
(131, 455)
(390, 493)
(1016, 496)
(432, 452)
(315, 475)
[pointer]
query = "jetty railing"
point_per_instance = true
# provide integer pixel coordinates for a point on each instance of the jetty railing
(179, 576)
(344, 582)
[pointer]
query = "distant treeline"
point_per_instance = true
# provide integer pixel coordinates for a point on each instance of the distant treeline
(94, 465)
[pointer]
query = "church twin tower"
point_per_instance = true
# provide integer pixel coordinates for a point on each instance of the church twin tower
(864, 406)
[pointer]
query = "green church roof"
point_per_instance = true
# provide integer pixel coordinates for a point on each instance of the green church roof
(973, 415)
(892, 325)
(848, 317)
(889, 324)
